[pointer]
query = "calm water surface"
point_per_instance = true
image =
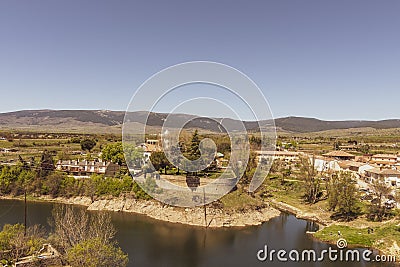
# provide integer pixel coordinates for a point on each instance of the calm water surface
(151, 243)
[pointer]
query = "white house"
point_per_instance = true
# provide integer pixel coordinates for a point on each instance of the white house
(389, 176)
(356, 167)
(287, 156)
(151, 145)
(323, 165)
(363, 168)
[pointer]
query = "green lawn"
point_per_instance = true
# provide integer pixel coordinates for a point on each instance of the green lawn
(238, 199)
(382, 236)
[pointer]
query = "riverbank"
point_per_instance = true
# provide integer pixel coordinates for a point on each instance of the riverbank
(383, 237)
(215, 217)
(319, 218)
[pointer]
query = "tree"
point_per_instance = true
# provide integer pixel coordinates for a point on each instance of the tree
(224, 146)
(294, 144)
(134, 155)
(116, 153)
(73, 226)
(46, 164)
(88, 144)
(378, 209)
(159, 161)
(250, 169)
(147, 168)
(150, 185)
(176, 157)
(282, 169)
(286, 172)
(336, 145)
(86, 240)
(312, 181)
(194, 151)
(90, 188)
(365, 149)
(332, 191)
(342, 195)
(93, 253)
(18, 244)
(52, 184)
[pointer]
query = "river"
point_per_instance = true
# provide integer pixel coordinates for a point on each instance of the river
(152, 243)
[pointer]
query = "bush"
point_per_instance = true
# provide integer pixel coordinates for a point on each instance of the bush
(93, 253)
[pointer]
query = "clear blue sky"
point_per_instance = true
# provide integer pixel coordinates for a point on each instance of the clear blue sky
(325, 59)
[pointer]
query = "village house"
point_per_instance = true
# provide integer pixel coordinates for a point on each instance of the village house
(324, 165)
(339, 155)
(372, 174)
(287, 156)
(384, 160)
(151, 145)
(87, 168)
(389, 176)
(350, 146)
(355, 166)
(349, 165)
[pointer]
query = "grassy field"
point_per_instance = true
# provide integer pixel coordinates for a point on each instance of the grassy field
(377, 235)
(239, 199)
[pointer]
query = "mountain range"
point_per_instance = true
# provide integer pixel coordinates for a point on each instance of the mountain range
(111, 121)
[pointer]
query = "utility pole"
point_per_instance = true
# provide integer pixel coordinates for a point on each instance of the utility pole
(25, 212)
(205, 208)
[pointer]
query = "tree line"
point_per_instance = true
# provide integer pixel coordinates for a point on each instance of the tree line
(41, 178)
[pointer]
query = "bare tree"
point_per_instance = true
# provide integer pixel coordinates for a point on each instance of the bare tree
(72, 226)
(101, 227)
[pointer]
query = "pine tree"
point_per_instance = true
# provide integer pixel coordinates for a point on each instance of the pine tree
(194, 146)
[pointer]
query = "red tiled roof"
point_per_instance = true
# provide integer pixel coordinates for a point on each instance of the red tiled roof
(338, 153)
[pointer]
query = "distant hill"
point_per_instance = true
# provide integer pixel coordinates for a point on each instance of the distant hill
(304, 125)
(111, 121)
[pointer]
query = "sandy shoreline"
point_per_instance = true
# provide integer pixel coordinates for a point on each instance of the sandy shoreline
(156, 210)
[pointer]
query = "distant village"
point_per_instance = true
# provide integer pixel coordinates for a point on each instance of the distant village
(385, 167)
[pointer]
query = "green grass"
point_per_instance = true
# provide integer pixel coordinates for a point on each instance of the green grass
(352, 235)
(238, 199)
(382, 236)
(290, 192)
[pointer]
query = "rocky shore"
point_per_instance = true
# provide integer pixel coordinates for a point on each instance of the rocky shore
(216, 217)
